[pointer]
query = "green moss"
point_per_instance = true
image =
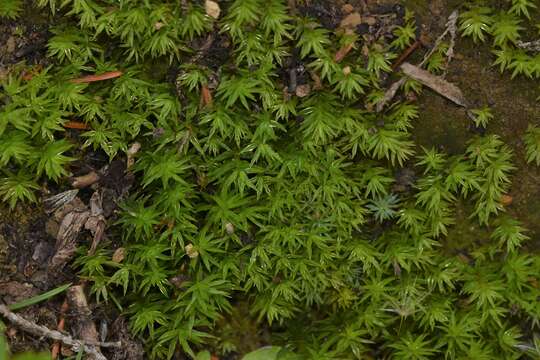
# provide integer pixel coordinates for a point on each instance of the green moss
(290, 203)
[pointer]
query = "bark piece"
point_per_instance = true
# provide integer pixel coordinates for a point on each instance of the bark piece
(85, 180)
(436, 83)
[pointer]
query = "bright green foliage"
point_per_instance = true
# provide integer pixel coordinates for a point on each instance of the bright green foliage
(17, 187)
(523, 7)
(476, 22)
(10, 9)
(532, 143)
(482, 116)
(315, 211)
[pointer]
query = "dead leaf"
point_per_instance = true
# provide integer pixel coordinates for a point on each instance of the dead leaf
(66, 239)
(351, 21)
(212, 9)
(119, 255)
(436, 83)
(54, 202)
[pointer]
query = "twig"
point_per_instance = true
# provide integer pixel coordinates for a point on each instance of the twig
(100, 77)
(77, 125)
(86, 180)
(406, 54)
(450, 28)
(41, 330)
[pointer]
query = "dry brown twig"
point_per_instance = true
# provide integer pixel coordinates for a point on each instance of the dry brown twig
(40, 330)
(451, 28)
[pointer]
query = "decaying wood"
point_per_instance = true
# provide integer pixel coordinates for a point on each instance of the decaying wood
(40, 330)
(529, 45)
(436, 83)
(66, 239)
(85, 180)
(86, 329)
(96, 221)
(55, 202)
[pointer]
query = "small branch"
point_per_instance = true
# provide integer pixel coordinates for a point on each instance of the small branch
(41, 330)
(86, 180)
(450, 28)
(406, 54)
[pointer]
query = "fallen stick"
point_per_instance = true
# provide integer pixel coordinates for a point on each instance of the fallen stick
(40, 330)
(86, 180)
(436, 83)
(406, 54)
(100, 77)
(450, 28)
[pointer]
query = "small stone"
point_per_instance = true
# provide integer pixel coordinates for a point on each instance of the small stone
(351, 20)
(346, 70)
(212, 9)
(158, 25)
(303, 90)
(191, 251)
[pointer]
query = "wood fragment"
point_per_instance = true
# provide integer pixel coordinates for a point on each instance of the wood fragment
(83, 181)
(436, 83)
(40, 330)
(94, 78)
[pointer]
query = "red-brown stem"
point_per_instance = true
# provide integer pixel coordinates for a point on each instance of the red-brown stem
(55, 350)
(76, 125)
(406, 54)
